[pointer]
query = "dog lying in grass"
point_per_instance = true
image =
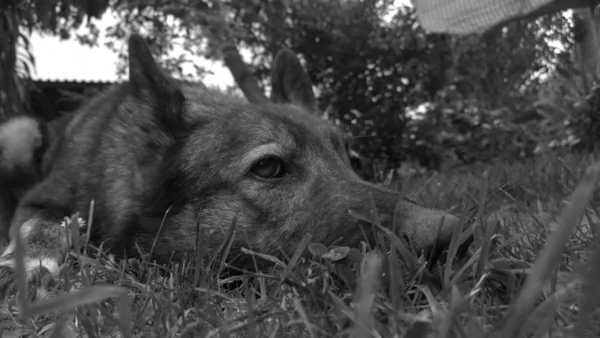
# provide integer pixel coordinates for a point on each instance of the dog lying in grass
(160, 158)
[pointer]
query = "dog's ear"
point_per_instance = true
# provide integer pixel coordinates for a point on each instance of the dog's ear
(146, 77)
(290, 82)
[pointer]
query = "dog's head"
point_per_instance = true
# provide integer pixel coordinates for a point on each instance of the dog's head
(279, 169)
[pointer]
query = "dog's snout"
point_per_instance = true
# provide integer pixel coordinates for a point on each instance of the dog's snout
(424, 227)
(428, 227)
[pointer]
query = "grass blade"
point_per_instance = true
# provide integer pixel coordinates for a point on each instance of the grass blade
(550, 255)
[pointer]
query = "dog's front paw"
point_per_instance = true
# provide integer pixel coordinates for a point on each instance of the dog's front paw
(45, 245)
(8, 282)
(38, 281)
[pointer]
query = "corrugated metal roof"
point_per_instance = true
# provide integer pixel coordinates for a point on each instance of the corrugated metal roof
(85, 78)
(100, 82)
(93, 81)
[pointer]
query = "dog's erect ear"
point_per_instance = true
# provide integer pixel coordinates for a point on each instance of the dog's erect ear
(143, 70)
(146, 75)
(290, 82)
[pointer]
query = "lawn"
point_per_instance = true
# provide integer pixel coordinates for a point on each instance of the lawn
(530, 271)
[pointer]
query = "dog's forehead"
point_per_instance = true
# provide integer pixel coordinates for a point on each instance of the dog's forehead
(299, 122)
(266, 121)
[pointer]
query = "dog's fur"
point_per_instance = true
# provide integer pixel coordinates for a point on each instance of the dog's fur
(154, 148)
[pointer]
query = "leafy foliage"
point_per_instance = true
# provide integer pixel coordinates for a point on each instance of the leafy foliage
(375, 69)
(586, 120)
(404, 95)
(18, 17)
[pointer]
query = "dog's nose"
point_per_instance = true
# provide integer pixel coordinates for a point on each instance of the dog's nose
(427, 227)
(424, 227)
(432, 229)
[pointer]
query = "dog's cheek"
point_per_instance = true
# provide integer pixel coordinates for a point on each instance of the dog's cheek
(275, 218)
(283, 215)
(321, 209)
(278, 217)
(217, 216)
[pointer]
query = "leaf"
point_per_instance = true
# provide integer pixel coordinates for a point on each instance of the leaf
(303, 316)
(550, 255)
(354, 255)
(420, 329)
(337, 253)
(70, 301)
(317, 249)
(269, 258)
(365, 295)
(347, 275)
(297, 254)
(509, 264)
(44, 10)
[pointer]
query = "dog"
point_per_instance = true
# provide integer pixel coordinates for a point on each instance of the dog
(23, 142)
(160, 158)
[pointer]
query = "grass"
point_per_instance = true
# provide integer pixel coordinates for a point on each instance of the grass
(531, 271)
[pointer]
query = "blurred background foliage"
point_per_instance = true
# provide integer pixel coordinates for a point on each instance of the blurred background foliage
(411, 100)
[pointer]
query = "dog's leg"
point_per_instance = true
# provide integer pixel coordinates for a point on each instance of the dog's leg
(40, 223)
(7, 209)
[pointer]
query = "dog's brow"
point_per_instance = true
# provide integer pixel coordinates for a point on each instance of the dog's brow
(259, 152)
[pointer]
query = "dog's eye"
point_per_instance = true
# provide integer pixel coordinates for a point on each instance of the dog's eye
(356, 163)
(271, 167)
(355, 160)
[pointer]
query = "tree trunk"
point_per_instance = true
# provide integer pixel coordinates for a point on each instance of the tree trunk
(244, 78)
(586, 42)
(217, 32)
(12, 101)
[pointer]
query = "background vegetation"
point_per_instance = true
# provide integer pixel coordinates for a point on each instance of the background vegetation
(407, 96)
